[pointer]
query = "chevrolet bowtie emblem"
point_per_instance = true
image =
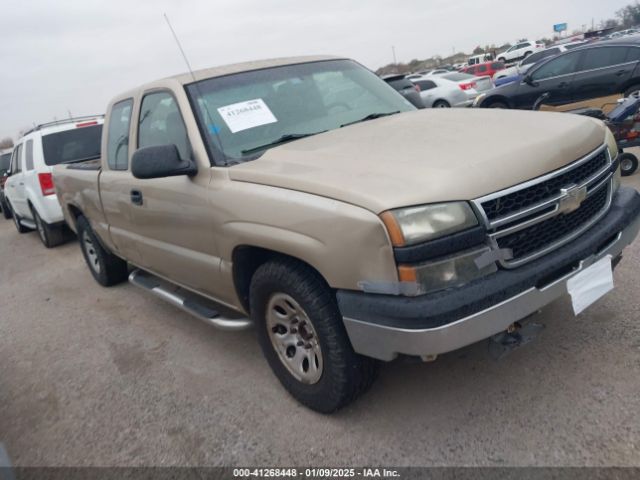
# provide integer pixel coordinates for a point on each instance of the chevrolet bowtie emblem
(571, 198)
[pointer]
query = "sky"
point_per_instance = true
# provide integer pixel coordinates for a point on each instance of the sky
(73, 56)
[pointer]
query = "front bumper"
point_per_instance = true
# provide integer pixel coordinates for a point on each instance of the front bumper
(383, 326)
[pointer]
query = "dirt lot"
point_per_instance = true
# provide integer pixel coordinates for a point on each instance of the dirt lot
(95, 376)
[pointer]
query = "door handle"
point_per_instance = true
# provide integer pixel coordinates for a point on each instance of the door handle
(563, 85)
(136, 197)
(621, 72)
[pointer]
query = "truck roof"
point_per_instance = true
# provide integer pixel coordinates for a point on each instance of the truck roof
(220, 71)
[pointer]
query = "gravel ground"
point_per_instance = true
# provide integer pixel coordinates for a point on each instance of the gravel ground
(96, 376)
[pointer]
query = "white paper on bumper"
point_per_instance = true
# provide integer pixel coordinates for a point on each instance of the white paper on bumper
(590, 284)
(244, 115)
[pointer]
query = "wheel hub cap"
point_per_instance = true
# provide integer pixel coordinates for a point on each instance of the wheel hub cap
(92, 255)
(294, 338)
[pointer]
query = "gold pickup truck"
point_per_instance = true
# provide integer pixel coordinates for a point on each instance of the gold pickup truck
(306, 197)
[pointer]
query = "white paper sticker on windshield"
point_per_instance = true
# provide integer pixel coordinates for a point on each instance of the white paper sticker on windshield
(244, 115)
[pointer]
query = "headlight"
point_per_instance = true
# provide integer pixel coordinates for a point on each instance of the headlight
(408, 226)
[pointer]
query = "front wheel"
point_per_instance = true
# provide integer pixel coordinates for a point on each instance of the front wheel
(302, 336)
(628, 164)
(105, 267)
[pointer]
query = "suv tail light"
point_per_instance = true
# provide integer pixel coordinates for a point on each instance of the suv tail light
(46, 184)
(467, 86)
(86, 124)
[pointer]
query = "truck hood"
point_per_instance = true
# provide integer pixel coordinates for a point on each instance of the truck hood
(426, 156)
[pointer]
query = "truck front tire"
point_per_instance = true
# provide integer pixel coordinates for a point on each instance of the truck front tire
(105, 267)
(302, 335)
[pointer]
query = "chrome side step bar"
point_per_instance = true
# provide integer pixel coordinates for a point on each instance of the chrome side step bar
(189, 302)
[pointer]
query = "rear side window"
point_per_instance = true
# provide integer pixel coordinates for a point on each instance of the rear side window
(603, 57)
(633, 54)
(426, 84)
(72, 146)
(28, 155)
(496, 65)
(482, 68)
(118, 135)
(162, 124)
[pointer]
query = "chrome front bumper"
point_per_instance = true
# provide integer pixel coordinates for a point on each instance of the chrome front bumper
(386, 342)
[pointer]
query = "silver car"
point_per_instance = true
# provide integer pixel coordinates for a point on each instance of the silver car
(439, 92)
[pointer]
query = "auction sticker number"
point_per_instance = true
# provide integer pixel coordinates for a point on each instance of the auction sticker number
(244, 115)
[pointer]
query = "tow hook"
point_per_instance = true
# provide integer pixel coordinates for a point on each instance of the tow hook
(516, 335)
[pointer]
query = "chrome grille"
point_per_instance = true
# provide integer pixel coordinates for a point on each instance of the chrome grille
(543, 214)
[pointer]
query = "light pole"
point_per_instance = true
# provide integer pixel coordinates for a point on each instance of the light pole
(393, 50)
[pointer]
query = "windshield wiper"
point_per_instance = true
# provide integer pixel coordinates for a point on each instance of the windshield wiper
(371, 116)
(283, 139)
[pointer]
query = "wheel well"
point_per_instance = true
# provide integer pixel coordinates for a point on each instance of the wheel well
(491, 100)
(246, 260)
(632, 83)
(75, 213)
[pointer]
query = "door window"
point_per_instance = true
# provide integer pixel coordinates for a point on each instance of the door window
(603, 57)
(16, 164)
(118, 135)
(28, 155)
(633, 54)
(562, 65)
(426, 85)
(161, 123)
(482, 68)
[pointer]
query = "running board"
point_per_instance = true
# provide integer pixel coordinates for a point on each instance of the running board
(27, 223)
(191, 303)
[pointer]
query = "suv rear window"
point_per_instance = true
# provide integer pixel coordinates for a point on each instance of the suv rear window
(5, 163)
(72, 145)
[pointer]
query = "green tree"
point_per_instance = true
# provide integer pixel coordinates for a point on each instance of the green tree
(629, 15)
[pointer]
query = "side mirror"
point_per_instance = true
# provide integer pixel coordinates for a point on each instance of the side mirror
(159, 162)
(528, 80)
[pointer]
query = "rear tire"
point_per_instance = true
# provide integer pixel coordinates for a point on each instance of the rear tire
(50, 236)
(298, 321)
(628, 164)
(105, 267)
(632, 90)
(441, 104)
(16, 221)
(6, 211)
(498, 105)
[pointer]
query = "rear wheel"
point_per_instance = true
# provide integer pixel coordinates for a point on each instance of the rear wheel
(6, 211)
(49, 235)
(497, 105)
(105, 267)
(302, 335)
(633, 90)
(441, 104)
(628, 164)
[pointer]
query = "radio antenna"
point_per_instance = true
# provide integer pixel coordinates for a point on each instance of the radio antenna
(184, 55)
(211, 125)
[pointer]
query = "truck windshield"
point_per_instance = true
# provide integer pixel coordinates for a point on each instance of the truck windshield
(242, 115)
(72, 146)
(5, 162)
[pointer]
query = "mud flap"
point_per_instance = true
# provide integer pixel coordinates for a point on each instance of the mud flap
(519, 334)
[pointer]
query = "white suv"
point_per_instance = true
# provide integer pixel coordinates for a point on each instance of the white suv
(29, 189)
(520, 50)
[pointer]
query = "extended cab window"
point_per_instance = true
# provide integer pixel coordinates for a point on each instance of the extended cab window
(603, 57)
(244, 114)
(563, 65)
(161, 123)
(118, 135)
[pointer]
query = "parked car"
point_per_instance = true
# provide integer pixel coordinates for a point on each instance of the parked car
(30, 192)
(488, 69)
(471, 85)
(5, 166)
(406, 88)
(523, 65)
(345, 233)
(520, 50)
(482, 58)
(438, 92)
(591, 71)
